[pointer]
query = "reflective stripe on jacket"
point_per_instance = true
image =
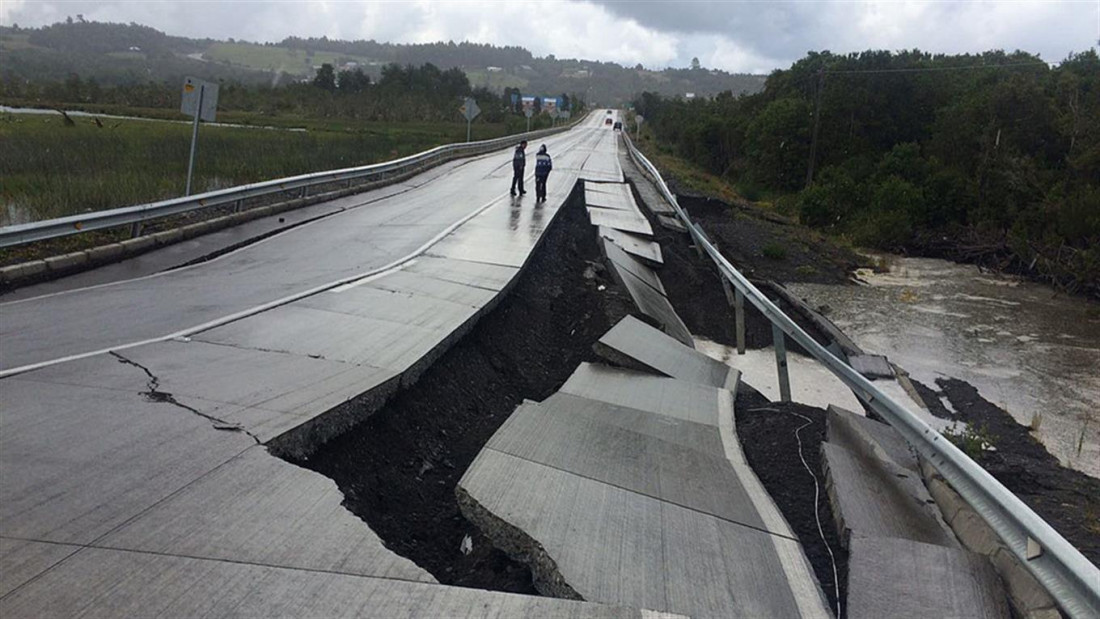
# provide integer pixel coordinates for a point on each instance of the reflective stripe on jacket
(543, 165)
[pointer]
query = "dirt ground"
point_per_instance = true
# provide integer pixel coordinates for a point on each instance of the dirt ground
(398, 469)
(1069, 500)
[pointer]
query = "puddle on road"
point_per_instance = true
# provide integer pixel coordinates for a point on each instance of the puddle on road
(1024, 347)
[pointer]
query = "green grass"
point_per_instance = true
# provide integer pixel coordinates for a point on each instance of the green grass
(269, 58)
(49, 170)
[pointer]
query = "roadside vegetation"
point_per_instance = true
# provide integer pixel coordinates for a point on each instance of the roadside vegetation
(993, 158)
(55, 165)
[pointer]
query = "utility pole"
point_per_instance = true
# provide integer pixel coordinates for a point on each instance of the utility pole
(817, 126)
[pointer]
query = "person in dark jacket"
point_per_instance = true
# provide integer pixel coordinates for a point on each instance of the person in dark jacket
(519, 162)
(543, 165)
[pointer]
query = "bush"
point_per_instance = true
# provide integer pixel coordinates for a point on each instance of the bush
(774, 251)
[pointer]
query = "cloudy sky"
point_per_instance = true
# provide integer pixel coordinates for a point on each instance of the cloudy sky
(736, 35)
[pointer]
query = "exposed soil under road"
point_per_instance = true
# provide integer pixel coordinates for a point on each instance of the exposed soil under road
(399, 468)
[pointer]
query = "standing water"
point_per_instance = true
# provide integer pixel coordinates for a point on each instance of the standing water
(1025, 347)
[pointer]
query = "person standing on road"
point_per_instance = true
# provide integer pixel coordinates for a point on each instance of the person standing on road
(519, 162)
(543, 165)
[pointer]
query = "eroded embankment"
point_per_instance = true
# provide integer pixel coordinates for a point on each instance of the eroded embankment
(399, 468)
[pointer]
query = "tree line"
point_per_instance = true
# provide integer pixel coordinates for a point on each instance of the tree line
(402, 94)
(993, 157)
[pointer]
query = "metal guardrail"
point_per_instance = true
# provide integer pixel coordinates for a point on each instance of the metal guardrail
(136, 215)
(1060, 568)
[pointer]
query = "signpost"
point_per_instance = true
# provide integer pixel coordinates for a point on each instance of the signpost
(528, 112)
(554, 115)
(470, 110)
(200, 100)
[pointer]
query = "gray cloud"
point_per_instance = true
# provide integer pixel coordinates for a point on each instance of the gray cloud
(737, 35)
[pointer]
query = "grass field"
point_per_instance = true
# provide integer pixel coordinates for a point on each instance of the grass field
(50, 170)
(269, 58)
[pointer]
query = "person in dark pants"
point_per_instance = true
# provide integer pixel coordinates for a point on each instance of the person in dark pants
(519, 162)
(543, 165)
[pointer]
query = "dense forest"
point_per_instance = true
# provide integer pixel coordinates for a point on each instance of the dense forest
(129, 54)
(992, 158)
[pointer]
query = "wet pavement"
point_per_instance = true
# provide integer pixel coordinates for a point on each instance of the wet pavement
(1025, 347)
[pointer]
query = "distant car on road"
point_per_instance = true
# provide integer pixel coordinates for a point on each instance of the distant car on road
(609, 111)
(618, 126)
(607, 122)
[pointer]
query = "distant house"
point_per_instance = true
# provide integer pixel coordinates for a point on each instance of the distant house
(493, 69)
(135, 48)
(526, 67)
(689, 95)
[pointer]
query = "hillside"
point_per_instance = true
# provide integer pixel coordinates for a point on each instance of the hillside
(113, 54)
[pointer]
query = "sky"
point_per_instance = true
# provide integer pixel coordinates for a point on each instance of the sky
(754, 36)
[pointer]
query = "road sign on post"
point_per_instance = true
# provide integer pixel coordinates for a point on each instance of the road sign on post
(528, 112)
(554, 114)
(470, 110)
(200, 101)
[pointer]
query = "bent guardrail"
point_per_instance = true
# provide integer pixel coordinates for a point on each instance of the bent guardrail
(138, 214)
(1061, 569)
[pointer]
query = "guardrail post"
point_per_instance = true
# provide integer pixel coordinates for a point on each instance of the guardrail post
(305, 190)
(781, 363)
(739, 318)
(237, 206)
(135, 229)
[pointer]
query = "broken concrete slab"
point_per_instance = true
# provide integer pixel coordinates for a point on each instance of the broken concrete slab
(114, 583)
(632, 340)
(871, 366)
(260, 509)
(654, 304)
(672, 222)
(869, 437)
(613, 201)
(904, 578)
(574, 435)
(603, 543)
(625, 261)
(620, 220)
(639, 247)
(646, 392)
(876, 498)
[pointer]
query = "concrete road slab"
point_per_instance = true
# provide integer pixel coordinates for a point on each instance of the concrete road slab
(645, 392)
(611, 545)
(577, 439)
(479, 274)
(414, 310)
(23, 560)
(616, 189)
(903, 578)
(80, 461)
(687, 434)
(488, 246)
(637, 246)
(873, 498)
(871, 366)
(424, 283)
(260, 509)
(613, 201)
(113, 583)
(620, 220)
(634, 266)
(654, 304)
(866, 436)
(335, 336)
(652, 348)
